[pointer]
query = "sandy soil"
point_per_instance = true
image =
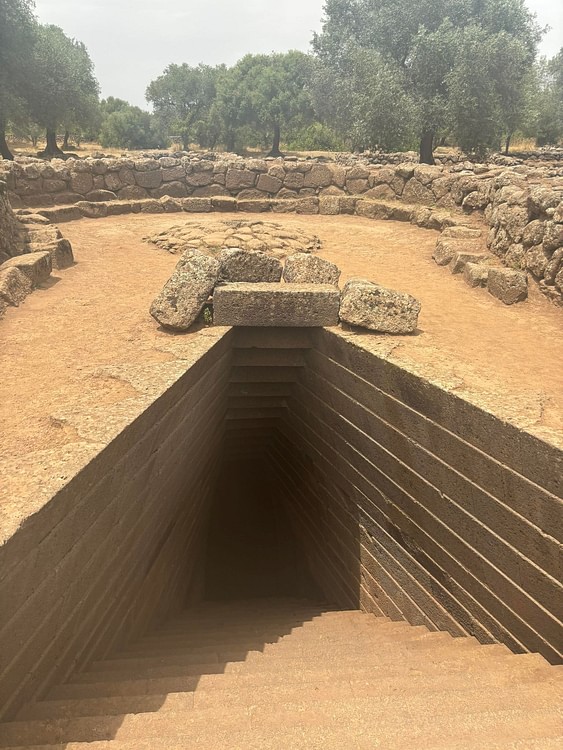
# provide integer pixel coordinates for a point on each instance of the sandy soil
(73, 348)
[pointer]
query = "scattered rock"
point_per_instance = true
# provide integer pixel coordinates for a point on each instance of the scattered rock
(186, 291)
(371, 306)
(507, 285)
(248, 265)
(303, 268)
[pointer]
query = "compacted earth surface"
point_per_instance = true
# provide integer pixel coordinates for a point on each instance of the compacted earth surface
(84, 345)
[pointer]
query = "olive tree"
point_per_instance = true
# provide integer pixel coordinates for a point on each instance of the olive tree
(437, 50)
(17, 36)
(64, 89)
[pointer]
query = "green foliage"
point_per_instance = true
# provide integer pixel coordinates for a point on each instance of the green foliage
(182, 98)
(548, 120)
(266, 93)
(316, 137)
(17, 37)
(130, 127)
(366, 101)
(64, 90)
(457, 65)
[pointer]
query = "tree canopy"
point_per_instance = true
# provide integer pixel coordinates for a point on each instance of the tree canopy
(64, 88)
(450, 60)
(182, 98)
(17, 36)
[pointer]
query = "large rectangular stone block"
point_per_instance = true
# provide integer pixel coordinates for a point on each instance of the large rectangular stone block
(271, 304)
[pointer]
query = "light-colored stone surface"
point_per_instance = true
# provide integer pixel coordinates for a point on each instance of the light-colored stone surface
(303, 268)
(186, 291)
(14, 286)
(284, 305)
(371, 306)
(248, 265)
(36, 266)
(476, 274)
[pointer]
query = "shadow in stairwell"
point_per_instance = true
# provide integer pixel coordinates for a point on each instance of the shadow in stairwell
(258, 589)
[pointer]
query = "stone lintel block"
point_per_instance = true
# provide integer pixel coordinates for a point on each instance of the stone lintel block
(36, 266)
(270, 304)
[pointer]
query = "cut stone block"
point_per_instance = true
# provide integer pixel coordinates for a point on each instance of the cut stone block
(252, 266)
(447, 247)
(462, 233)
(371, 306)
(186, 291)
(14, 286)
(507, 285)
(61, 253)
(460, 260)
(476, 274)
(304, 268)
(92, 210)
(287, 305)
(36, 266)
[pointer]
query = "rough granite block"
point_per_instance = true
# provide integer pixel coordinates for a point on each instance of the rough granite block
(268, 304)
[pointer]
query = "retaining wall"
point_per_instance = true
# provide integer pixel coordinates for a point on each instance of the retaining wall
(10, 229)
(523, 207)
(406, 500)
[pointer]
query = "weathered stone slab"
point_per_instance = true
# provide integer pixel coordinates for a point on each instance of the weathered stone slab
(65, 213)
(286, 305)
(14, 286)
(186, 291)
(447, 247)
(476, 274)
(507, 285)
(61, 253)
(36, 266)
(304, 268)
(237, 265)
(92, 210)
(460, 260)
(371, 306)
(462, 233)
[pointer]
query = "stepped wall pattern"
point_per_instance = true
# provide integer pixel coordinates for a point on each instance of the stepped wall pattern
(402, 499)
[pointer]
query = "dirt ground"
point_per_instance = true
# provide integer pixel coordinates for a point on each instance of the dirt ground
(77, 346)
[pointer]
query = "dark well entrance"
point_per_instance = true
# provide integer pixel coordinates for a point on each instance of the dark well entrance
(252, 550)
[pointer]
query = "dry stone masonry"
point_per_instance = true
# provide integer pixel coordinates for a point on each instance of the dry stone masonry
(29, 251)
(521, 203)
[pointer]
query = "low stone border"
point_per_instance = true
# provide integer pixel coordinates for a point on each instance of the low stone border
(30, 250)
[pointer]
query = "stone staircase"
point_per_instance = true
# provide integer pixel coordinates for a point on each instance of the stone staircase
(272, 674)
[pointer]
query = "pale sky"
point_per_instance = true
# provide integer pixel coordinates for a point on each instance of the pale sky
(132, 41)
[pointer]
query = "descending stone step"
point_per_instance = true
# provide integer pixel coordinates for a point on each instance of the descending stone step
(265, 680)
(482, 685)
(454, 713)
(481, 663)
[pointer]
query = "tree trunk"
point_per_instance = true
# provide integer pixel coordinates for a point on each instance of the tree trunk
(230, 145)
(426, 148)
(276, 144)
(507, 143)
(52, 148)
(65, 141)
(4, 150)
